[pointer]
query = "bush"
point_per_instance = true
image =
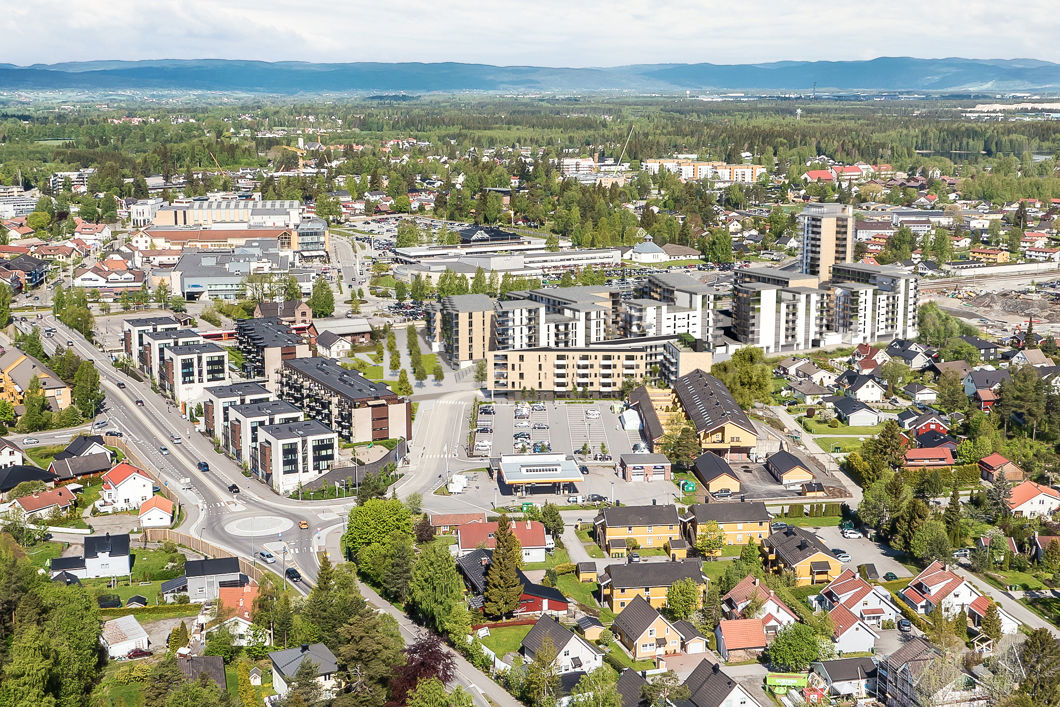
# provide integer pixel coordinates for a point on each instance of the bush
(130, 673)
(565, 568)
(833, 423)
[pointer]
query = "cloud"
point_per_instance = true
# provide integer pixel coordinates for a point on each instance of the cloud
(543, 33)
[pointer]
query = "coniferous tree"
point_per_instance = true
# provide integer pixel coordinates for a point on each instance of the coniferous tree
(503, 587)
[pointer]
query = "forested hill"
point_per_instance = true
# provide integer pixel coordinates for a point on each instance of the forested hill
(886, 73)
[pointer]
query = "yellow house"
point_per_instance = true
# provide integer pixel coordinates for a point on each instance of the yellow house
(989, 255)
(586, 572)
(648, 636)
(788, 469)
(803, 554)
(17, 370)
(716, 475)
(740, 521)
(619, 528)
(621, 583)
(722, 425)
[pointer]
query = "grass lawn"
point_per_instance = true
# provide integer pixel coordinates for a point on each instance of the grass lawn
(818, 427)
(804, 593)
(505, 640)
(373, 371)
(40, 554)
(650, 552)
(807, 522)
(150, 561)
(844, 444)
(624, 658)
(558, 557)
(714, 570)
(581, 592)
(124, 590)
(1024, 580)
(732, 550)
(587, 542)
(1048, 608)
(42, 456)
(90, 494)
(118, 695)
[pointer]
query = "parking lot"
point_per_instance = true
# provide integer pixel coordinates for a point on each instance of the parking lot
(554, 427)
(757, 484)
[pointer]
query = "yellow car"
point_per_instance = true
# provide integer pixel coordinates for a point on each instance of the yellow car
(304, 525)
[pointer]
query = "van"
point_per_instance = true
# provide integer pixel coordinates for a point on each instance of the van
(483, 445)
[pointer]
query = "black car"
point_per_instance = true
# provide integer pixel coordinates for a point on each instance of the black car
(233, 488)
(115, 433)
(121, 384)
(139, 402)
(293, 574)
(203, 466)
(485, 411)
(595, 498)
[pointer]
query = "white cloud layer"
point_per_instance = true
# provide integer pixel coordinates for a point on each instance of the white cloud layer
(541, 33)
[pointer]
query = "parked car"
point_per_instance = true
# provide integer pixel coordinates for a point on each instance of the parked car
(484, 410)
(538, 407)
(723, 493)
(540, 426)
(890, 577)
(634, 557)
(851, 534)
(961, 553)
(575, 500)
(293, 574)
(485, 430)
(267, 557)
(595, 498)
(592, 414)
(522, 423)
(778, 526)
(521, 435)
(583, 469)
(841, 555)
(114, 433)
(904, 625)
(137, 653)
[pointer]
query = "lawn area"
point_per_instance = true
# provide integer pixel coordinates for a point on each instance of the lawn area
(804, 593)
(581, 592)
(373, 371)
(1024, 580)
(733, 550)
(622, 657)
(807, 522)
(1047, 607)
(844, 444)
(90, 494)
(42, 456)
(40, 554)
(117, 695)
(558, 557)
(587, 542)
(149, 561)
(819, 427)
(124, 590)
(714, 570)
(505, 640)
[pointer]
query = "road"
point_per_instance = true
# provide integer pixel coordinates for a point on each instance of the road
(809, 444)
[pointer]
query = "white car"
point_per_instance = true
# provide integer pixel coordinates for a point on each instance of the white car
(592, 414)
(30, 440)
(851, 534)
(522, 423)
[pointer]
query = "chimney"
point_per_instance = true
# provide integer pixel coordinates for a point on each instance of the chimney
(305, 647)
(716, 668)
(528, 524)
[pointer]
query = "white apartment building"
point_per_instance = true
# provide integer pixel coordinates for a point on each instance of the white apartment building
(189, 369)
(292, 454)
(716, 171)
(886, 309)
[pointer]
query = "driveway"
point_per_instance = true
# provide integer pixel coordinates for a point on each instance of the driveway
(863, 551)
(820, 456)
(752, 677)
(158, 631)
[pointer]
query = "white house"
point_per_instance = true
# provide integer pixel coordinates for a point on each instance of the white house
(775, 614)
(867, 602)
(121, 635)
(851, 634)
(573, 653)
(936, 586)
(866, 389)
(1031, 500)
(332, 345)
(40, 505)
(285, 664)
(533, 539)
(104, 556)
(648, 251)
(156, 512)
(10, 454)
(125, 487)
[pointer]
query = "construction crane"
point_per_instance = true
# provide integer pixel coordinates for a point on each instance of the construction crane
(301, 156)
(218, 164)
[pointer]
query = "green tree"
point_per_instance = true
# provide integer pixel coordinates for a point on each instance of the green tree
(503, 587)
(401, 291)
(682, 446)
(304, 686)
(952, 517)
(551, 519)
(1040, 653)
(930, 541)
(178, 637)
(434, 693)
(480, 371)
(401, 557)
(991, 624)
(747, 376)
(552, 242)
(683, 598)
(438, 373)
(5, 305)
(951, 393)
(87, 395)
(369, 645)
(375, 521)
(291, 289)
(403, 386)
(710, 539)
(598, 688)
(436, 588)
(165, 677)
(322, 301)
(794, 648)
(664, 689)
(895, 373)
(541, 681)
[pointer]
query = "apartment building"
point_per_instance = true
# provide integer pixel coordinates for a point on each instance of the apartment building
(152, 354)
(620, 583)
(715, 171)
(358, 409)
(460, 327)
(292, 454)
(189, 369)
(133, 331)
(741, 521)
(241, 434)
(623, 528)
(265, 345)
(778, 319)
(281, 213)
(827, 237)
(565, 371)
(886, 311)
(722, 425)
(218, 400)
(17, 371)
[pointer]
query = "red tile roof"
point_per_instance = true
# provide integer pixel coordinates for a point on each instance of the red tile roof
(160, 502)
(1028, 490)
(117, 476)
(993, 461)
(842, 620)
(743, 634)
(440, 519)
(239, 599)
(60, 496)
(938, 455)
(980, 605)
(530, 533)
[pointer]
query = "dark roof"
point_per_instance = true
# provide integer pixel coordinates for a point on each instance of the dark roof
(12, 476)
(266, 333)
(288, 661)
(784, 461)
(75, 467)
(265, 408)
(174, 585)
(330, 374)
(730, 512)
(934, 438)
(114, 545)
(238, 390)
(67, 578)
(793, 545)
(587, 622)
(291, 430)
(708, 403)
(136, 599)
(213, 666)
(474, 565)
(980, 344)
(108, 602)
(640, 515)
(551, 627)
(652, 574)
(59, 564)
(280, 309)
(637, 616)
(916, 653)
(709, 685)
(848, 406)
(640, 399)
(982, 378)
(845, 669)
(79, 445)
(710, 466)
(586, 566)
(630, 684)
(218, 565)
(328, 338)
(687, 630)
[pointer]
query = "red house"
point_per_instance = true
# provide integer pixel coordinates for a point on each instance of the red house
(929, 422)
(928, 458)
(535, 599)
(985, 399)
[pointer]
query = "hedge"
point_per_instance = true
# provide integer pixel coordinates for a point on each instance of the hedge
(915, 618)
(565, 568)
(161, 609)
(965, 474)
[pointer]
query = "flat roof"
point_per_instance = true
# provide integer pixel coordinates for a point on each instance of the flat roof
(519, 469)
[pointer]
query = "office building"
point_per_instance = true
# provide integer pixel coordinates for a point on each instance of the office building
(827, 237)
(292, 454)
(358, 409)
(241, 434)
(189, 369)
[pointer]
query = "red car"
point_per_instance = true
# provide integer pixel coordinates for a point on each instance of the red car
(137, 653)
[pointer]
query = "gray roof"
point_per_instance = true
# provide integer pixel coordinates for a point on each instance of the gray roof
(710, 466)
(983, 378)
(793, 545)
(12, 476)
(290, 430)
(709, 685)
(113, 545)
(636, 617)
(330, 374)
(846, 669)
(288, 661)
(640, 515)
(328, 338)
(848, 406)
(551, 627)
(916, 653)
(687, 630)
(265, 408)
(193, 349)
(630, 683)
(213, 666)
(217, 565)
(730, 512)
(638, 459)
(468, 303)
(783, 462)
(73, 467)
(708, 402)
(238, 390)
(652, 574)
(151, 321)
(649, 416)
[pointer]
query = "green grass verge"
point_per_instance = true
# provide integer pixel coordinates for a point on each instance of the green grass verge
(818, 427)
(1046, 607)
(1024, 580)
(42, 552)
(115, 695)
(582, 592)
(587, 542)
(844, 445)
(807, 522)
(505, 640)
(558, 557)
(619, 654)
(43, 455)
(125, 590)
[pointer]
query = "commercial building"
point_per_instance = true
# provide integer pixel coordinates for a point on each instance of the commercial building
(247, 212)
(358, 409)
(189, 369)
(219, 399)
(526, 471)
(241, 434)
(714, 171)
(827, 237)
(292, 454)
(265, 345)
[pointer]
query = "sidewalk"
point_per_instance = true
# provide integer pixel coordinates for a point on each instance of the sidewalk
(1009, 603)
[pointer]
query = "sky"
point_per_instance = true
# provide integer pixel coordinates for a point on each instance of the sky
(540, 33)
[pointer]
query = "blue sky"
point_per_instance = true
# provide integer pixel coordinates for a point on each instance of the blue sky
(543, 32)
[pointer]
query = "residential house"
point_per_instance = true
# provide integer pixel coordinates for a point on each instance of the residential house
(865, 388)
(644, 632)
(790, 365)
(203, 579)
(988, 350)
(959, 367)
(33, 270)
(1031, 357)
(125, 487)
(984, 379)
(10, 454)
(332, 345)
(994, 464)
(722, 425)
(710, 686)
(533, 539)
(82, 446)
(855, 413)
(285, 666)
(916, 356)
(448, 522)
(237, 604)
(292, 312)
(788, 469)
(845, 678)
(938, 587)
(617, 528)
(808, 392)
(644, 467)
(1031, 500)
(44, 503)
(715, 474)
(802, 553)
(810, 373)
(929, 421)
(12, 476)
(122, 635)
(929, 457)
(619, 583)
(740, 521)
(899, 681)
(573, 653)
(771, 609)
(534, 599)
(850, 633)
(195, 666)
(104, 556)
(156, 512)
(740, 640)
(1040, 544)
(17, 370)
(1004, 544)
(921, 393)
(73, 468)
(869, 603)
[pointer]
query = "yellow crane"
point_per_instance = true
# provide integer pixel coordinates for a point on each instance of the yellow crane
(301, 156)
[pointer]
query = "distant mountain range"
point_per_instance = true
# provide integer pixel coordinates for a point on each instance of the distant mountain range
(882, 74)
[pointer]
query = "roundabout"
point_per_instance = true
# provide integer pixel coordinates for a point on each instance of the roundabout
(255, 526)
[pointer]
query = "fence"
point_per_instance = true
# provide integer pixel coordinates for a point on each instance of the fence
(357, 473)
(202, 547)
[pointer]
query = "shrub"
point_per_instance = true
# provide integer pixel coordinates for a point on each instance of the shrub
(833, 423)
(565, 568)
